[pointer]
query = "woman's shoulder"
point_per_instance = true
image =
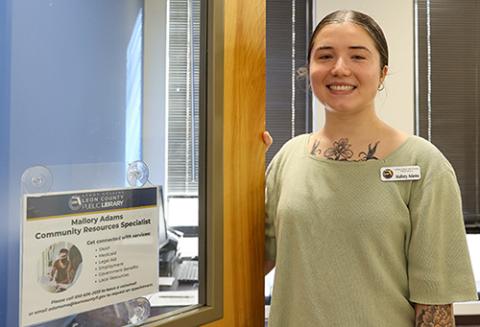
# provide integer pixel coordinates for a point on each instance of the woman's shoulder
(296, 144)
(293, 147)
(421, 152)
(424, 150)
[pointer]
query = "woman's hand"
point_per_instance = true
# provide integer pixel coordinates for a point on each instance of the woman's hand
(267, 140)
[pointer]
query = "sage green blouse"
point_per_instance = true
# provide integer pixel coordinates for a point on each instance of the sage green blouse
(353, 250)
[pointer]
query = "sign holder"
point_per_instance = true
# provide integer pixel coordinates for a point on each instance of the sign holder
(81, 250)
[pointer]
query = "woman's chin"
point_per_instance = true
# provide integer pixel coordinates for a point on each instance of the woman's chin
(347, 108)
(342, 109)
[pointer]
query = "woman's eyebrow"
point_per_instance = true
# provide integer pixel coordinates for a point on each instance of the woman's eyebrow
(324, 47)
(359, 47)
(353, 47)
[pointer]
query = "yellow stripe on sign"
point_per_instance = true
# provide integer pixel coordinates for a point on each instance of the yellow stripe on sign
(91, 213)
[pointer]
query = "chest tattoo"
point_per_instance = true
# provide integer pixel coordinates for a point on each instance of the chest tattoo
(371, 152)
(340, 150)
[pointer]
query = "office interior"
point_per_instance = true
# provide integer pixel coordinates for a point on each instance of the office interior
(86, 101)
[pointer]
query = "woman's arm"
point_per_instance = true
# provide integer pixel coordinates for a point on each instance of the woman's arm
(54, 270)
(434, 315)
(267, 140)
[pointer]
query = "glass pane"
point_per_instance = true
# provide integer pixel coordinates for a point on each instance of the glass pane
(102, 114)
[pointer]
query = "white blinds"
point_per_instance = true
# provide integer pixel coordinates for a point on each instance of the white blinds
(183, 96)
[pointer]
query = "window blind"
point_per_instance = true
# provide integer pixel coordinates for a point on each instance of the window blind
(288, 98)
(183, 97)
(447, 89)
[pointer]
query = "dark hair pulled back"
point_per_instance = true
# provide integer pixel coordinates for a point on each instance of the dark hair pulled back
(361, 19)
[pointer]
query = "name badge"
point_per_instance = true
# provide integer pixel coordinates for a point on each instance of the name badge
(401, 173)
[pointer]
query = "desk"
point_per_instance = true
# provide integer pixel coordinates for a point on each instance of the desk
(187, 292)
(187, 295)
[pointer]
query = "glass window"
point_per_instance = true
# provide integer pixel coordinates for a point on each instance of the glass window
(103, 159)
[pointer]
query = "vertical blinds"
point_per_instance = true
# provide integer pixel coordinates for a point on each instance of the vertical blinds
(448, 111)
(287, 99)
(183, 96)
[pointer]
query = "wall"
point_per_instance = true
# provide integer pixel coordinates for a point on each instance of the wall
(395, 104)
(154, 130)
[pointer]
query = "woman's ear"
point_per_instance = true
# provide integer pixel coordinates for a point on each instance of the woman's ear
(383, 73)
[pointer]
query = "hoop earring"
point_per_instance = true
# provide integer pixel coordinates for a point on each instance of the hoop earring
(381, 87)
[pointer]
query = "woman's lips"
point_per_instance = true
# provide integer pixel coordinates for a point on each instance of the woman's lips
(341, 87)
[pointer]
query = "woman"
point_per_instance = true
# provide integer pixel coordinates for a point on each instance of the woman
(364, 223)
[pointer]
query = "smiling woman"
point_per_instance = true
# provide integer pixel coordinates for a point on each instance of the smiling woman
(342, 235)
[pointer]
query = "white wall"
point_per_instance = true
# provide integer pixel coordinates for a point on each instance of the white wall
(395, 104)
(154, 81)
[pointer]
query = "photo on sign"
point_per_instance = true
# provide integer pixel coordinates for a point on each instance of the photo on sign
(59, 267)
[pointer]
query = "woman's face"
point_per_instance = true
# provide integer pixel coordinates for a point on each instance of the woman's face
(345, 70)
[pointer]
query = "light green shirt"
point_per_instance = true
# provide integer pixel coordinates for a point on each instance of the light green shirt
(353, 250)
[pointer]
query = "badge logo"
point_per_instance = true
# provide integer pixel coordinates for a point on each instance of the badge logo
(387, 173)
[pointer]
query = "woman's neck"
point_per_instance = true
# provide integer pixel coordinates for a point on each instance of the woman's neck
(360, 136)
(359, 126)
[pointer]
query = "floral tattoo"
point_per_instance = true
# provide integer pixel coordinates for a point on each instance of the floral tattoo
(341, 151)
(435, 315)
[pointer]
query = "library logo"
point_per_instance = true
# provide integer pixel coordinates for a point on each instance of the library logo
(388, 173)
(75, 203)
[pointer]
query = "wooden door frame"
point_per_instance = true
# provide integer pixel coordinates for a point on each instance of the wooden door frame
(244, 163)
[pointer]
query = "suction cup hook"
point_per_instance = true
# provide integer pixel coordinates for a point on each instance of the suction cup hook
(138, 310)
(37, 179)
(137, 173)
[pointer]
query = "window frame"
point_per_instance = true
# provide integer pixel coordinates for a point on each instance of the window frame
(210, 175)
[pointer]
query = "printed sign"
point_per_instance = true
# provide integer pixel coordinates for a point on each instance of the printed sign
(86, 250)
